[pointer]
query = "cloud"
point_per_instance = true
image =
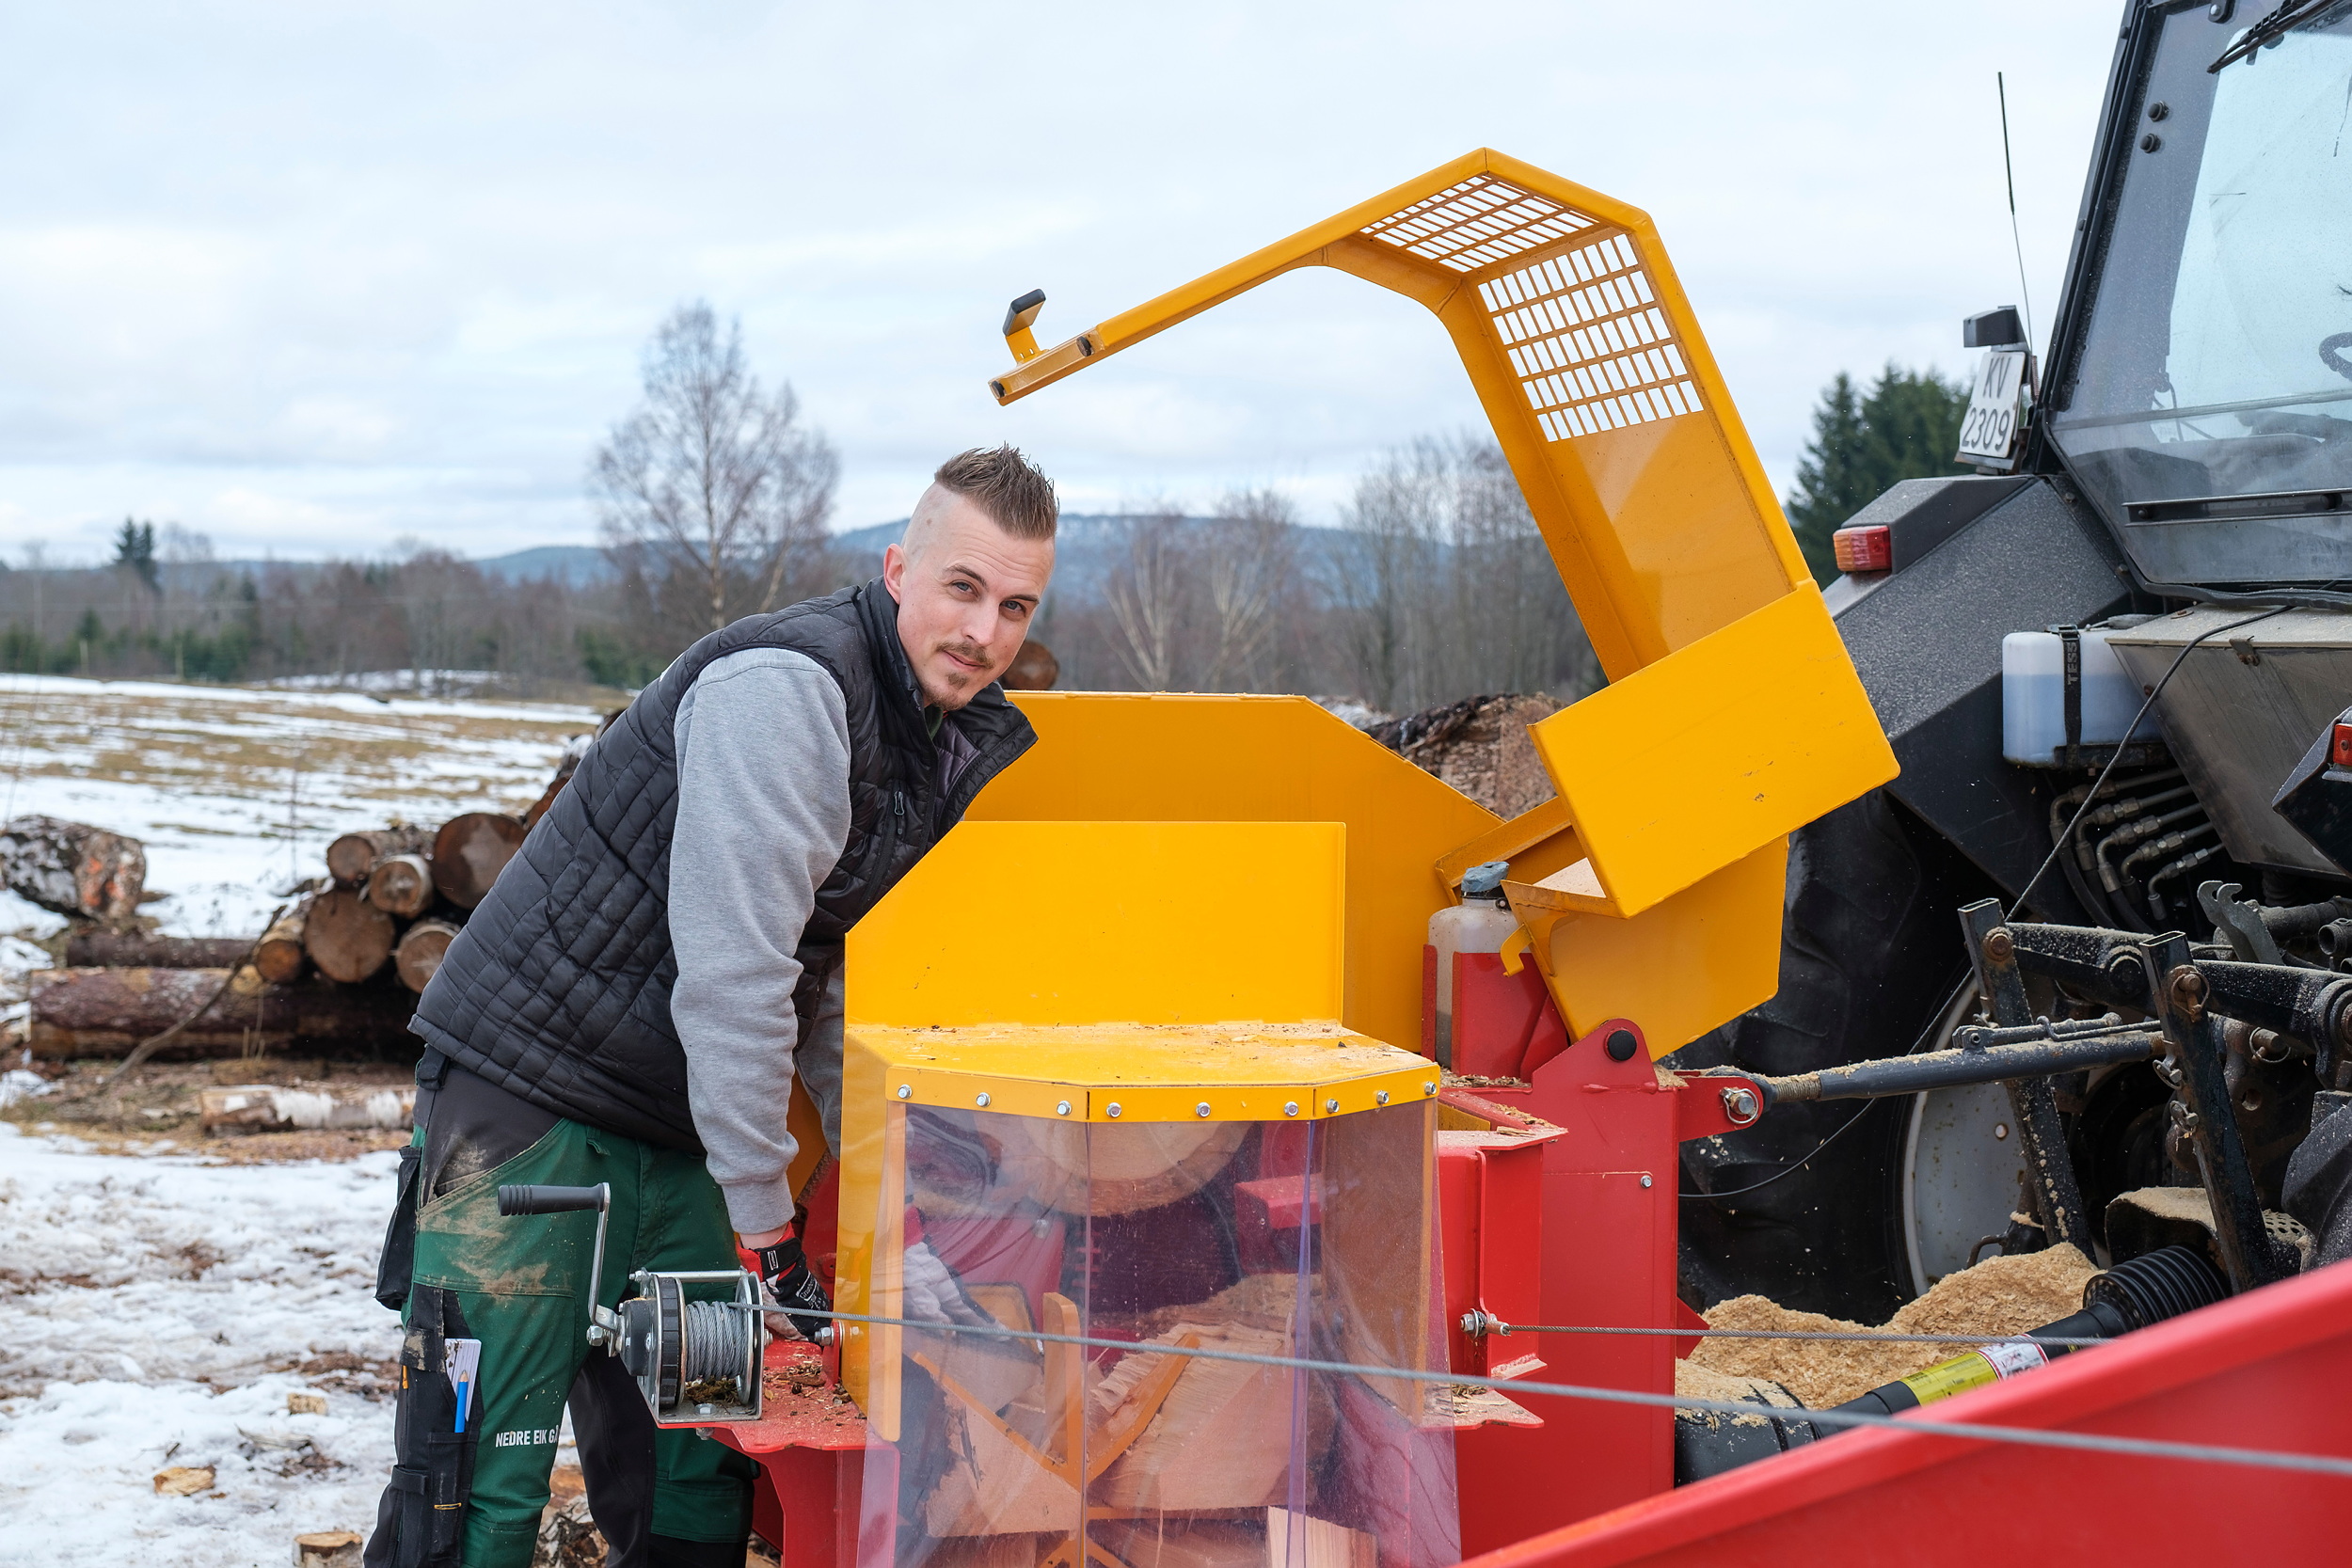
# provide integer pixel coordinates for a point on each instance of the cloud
(311, 280)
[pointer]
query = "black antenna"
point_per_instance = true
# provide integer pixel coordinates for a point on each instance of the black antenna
(2022, 292)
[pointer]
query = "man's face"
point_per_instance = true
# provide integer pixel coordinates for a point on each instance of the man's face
(965, 590)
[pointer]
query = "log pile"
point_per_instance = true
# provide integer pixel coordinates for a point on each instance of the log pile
(341, 969)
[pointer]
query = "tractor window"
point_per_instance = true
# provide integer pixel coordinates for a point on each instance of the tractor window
(2211, 415)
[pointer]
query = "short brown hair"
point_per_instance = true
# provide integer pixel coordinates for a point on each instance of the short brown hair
(1003, 483)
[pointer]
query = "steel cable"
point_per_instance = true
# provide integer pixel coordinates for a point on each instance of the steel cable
(2138, 1448)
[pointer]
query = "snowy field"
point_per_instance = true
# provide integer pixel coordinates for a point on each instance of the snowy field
(156, 1310)
(157, 1313)
(236, 792)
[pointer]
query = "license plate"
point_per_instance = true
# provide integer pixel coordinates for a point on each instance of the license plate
(1996, 410)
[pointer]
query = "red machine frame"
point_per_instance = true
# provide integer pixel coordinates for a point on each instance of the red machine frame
(1558, 1198)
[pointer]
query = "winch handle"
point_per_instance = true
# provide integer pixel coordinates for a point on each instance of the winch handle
(522, 1199)
(550, 1200)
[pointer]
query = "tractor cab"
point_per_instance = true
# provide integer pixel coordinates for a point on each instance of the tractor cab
(2206, 405)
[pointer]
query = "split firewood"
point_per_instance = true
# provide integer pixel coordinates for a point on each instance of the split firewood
(400, 885)
(347, 936)
(468, 853)
(95, 949)
(105, 1012)
(350, 858)
(419, 956)
(279, 956)
(72, 869)
(573, 749)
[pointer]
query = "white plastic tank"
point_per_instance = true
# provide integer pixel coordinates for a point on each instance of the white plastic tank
(2033, 696)
(1480, 923)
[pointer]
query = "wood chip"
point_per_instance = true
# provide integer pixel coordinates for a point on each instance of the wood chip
(184, 1481)
(2001, 1295)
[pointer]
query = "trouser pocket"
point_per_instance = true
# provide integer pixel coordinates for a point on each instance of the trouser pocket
(396, 1264)
(421, 1522)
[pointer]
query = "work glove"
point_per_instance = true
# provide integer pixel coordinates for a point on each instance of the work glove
(789, 1284)
(932, 1294)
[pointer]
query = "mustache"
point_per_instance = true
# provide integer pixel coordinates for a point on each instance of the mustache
(976, 653)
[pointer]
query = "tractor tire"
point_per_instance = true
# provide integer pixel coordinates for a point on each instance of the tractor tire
(1871, 955)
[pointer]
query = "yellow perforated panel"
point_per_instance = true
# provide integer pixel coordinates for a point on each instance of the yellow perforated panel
(1477, 223)
(1592, 346)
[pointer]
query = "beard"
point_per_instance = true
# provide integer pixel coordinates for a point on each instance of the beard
(959, 684)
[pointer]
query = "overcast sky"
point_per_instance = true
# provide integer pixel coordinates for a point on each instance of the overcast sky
(309, 278)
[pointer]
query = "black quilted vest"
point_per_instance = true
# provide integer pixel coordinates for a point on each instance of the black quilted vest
(557, 990)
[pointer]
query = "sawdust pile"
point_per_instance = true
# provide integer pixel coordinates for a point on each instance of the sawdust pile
(2001, 1295)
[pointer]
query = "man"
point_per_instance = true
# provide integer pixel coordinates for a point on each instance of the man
(631, 1003)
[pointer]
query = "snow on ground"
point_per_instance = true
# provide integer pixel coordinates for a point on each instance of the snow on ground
(236, 791)
(156, 1310)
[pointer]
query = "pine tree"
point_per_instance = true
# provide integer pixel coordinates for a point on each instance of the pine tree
(134, 547)
(1904, 427)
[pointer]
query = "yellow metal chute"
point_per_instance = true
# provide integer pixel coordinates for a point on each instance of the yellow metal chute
(1734, 716)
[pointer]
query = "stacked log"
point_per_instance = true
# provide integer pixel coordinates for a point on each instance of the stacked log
(98, 948)
(350, 858)
(375, 933)
(400, 894)
(401, 886)
(468, 853)
(419, 956)
(347, 936)
(106, 1012)
(279, 956)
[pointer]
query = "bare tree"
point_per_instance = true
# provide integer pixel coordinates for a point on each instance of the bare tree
(1147, 599)
(1251, 561)
(710, 480)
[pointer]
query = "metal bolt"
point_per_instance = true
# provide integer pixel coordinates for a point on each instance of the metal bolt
(2187, 989)
(1739, 1105)
(706, 1410)
(1061, 1107)
(981, 1102)
(2000, 1132)
(1330, 1106)
(2150, 142)
(1290, 1107)
(1999, 946)
(1111, 1110)
(1202, 1109)
(1645, 1180)
(906, 1091)
(2157, 111)
(1622, 1045)
(1429, 1088)
(1381, 1097)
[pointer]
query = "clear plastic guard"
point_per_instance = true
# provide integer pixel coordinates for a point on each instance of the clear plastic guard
(1304, 1238)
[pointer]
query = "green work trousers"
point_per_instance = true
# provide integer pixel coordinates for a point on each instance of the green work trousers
(520, 1287)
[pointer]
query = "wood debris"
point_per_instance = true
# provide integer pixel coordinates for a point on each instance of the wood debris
(2001, 1295)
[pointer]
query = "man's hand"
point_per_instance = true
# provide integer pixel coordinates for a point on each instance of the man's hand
(783, 1271)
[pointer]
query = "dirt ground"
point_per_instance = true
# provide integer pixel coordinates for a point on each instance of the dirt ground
(154, 1108)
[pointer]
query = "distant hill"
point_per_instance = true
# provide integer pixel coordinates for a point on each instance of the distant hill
(574, 565)
(1086, 547)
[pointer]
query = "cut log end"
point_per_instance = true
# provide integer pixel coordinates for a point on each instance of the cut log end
(421, 947)
(400, 885)
(350, 858)
(468, 853)
(279, 957)
(347, 936)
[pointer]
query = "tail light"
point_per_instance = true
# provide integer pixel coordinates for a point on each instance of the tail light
(1865, 549)
(2339, 746)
